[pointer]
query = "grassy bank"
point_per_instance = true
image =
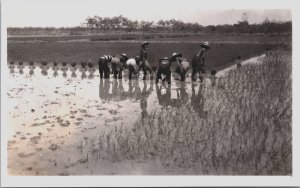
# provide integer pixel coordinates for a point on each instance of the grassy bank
(240, 126)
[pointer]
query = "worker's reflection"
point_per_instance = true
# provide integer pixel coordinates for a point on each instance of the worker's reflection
(117, 90)
(118, 93)
(182, 95)
(198, 100)
(104, 87)
(134, 91)
(144, 97)
(164, 100)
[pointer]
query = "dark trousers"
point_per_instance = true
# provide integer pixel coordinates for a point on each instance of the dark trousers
(198, 69)
(117, 71)
(166, 71)
(132, 70)
(181, 73)
(146, 67)
(104, 70)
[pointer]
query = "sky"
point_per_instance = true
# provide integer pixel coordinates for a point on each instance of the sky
(69, 13)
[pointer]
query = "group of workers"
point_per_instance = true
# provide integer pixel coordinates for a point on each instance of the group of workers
(135, 64)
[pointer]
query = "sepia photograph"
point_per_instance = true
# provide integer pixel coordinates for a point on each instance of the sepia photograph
(146, 88)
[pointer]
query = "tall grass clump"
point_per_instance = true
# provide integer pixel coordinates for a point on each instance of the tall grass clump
(240, 126)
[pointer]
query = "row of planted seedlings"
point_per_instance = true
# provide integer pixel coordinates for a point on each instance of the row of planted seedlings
(55, 65)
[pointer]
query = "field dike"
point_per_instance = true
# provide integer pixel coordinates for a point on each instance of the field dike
(240, 126)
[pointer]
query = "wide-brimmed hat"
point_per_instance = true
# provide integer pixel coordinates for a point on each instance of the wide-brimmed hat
(144, 43)
(205, 45)
(174, 55)
(164, 59)
(124, 55)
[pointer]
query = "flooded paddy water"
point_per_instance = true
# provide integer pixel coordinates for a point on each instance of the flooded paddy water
(54, 112)
(61, 120)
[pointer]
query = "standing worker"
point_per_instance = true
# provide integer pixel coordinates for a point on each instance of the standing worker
(198, 62)
(144, 60)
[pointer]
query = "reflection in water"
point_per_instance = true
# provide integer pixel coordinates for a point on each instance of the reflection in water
(120, 101)
(164, 100)
(64, 69)
(73, 72)
(144, 97)
(55, 74)
(117, 91)
(134, 90)
(11, 67)
(31, 69)
(44, 72)
(21, 68)
(104, 87)
(12, 71)
(31, 72)
(182, 95)
(44, 68)
(55, 69)
(83, 74)
(198, 101)
(91, 71)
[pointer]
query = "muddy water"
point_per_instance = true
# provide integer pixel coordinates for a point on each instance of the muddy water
(53, 112)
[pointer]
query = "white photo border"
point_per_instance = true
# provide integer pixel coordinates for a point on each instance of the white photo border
(294, 180)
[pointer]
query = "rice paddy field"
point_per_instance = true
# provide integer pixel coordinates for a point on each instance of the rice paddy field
(224, 50)
(63, 120)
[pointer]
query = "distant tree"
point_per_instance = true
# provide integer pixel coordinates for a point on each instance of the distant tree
(146, 26)
(91, 22)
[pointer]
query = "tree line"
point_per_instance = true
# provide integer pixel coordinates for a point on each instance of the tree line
(97, 24)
